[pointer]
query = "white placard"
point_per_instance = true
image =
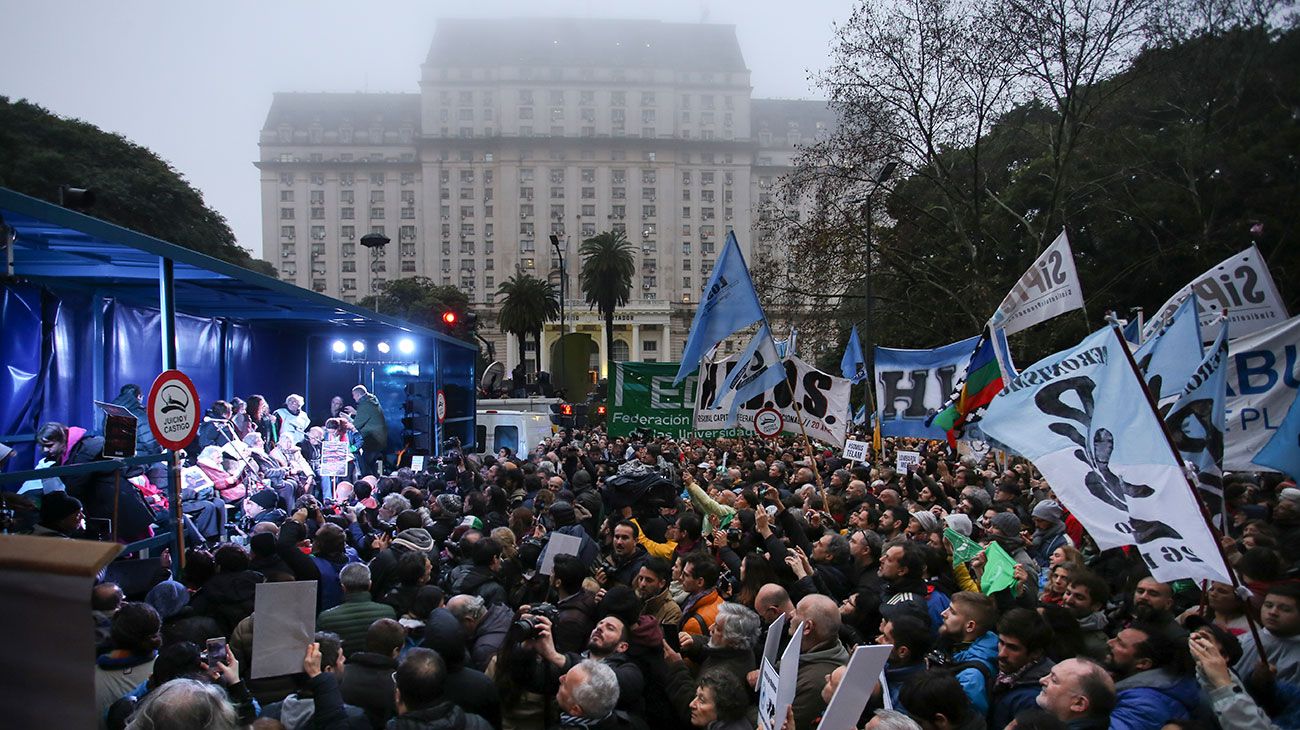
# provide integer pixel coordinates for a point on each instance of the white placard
(284, 623)
(559, 544)
(906, 459)
(776, 693)
(855, 450)
(855, 689)
(417, 463)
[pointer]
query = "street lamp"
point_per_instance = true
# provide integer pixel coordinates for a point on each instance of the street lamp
(375, 242)
(881, 178)
(564, 279)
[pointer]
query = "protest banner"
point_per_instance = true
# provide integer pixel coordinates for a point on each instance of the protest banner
(334, 458)
(1241, 285)
(906, 459)
(1082, 417)
(912, 384)
(1263, 378)
(1050, 287)
(642, 396)
(823, 401)
(855, 450)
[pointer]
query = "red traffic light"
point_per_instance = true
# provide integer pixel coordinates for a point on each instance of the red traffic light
(600, 410)
(449, 318)
(566, 409)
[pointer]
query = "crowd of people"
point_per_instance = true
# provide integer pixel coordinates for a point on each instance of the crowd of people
(242, 447)
(433, 612)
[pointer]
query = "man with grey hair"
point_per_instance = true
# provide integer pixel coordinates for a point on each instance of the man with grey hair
(185, 703)
(352, 618)
(732, 638)
(819, 654)
(292, 419)
(588, 694)
(486, 627)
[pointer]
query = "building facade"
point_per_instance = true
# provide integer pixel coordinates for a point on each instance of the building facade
(523, 130)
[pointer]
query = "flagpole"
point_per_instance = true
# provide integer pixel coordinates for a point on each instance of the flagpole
(1205, 513)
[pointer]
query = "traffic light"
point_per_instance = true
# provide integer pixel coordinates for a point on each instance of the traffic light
(449, 318)
(417, 417)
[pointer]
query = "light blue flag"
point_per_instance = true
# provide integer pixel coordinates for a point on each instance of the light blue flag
(1080, 417)
(729, 303)
(1169, 359)
(1196, 424)
(757, 369)
(1133, 331)
(852, 366)
(1282, 452)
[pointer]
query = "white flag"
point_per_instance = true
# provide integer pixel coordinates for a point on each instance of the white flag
(1048, 288)
(1240, 284)
(1082, 418)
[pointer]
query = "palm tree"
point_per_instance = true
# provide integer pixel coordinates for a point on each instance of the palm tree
(606, 278)
(527, 304)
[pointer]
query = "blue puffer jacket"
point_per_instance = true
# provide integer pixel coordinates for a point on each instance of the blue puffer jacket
(985, 651)
(1148, 700)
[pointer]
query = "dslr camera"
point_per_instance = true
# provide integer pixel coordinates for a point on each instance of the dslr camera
(528, 623)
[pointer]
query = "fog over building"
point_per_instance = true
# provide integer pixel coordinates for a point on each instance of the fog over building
(526, 128)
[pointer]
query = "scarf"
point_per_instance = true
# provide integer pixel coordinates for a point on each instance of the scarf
(567, 720)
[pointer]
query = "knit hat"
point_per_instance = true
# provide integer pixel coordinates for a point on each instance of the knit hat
(168, 598)
(266, 498)
(1290, 494)
(1006, 523)
(646, 632)
(959, 523)
(1048, 510)
(563, 514)
(581, 480)
(449, 504)
(470, 522)
(928, 521)
(55, 506)
(415, 539)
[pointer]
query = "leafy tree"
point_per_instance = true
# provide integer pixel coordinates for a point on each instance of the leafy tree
(1158, 163)
(135, 188)
(527, 304)
(419, 300)
(606, 278)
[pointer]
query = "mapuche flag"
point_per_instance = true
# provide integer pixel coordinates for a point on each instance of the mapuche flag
(981, 382)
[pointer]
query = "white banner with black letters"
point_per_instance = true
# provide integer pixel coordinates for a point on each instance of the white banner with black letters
(823, 401)
(1240, 284)
(1048, 288)
(1263, 375)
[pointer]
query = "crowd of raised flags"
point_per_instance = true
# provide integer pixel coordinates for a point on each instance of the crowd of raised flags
(1129, 426)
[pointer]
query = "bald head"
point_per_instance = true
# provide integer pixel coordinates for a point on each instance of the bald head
(821, 618)
(772, 601)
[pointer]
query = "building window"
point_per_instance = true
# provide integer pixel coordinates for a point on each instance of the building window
(286, 178)
(650, 346)
(376, 178)
(347, 214)
(376, 213)
(287, 232)
(318, 178)
(349, 267)
(286, 214)
(621, 352)
(408, 267)
(286, 196)
(346, 179)
(348, 233)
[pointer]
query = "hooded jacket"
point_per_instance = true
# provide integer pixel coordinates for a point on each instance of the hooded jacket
(490, 635)
(476, 580)
(973, 681)
(1148, 700)
(1020, 695)
(814, 665)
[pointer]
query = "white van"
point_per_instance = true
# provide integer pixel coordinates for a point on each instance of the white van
(518, 431)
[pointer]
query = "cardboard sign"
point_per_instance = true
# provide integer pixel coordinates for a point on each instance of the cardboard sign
(777, 686)
(284, 625)
(855, 450)
(906, 459)
(417, 463)
(334, 458)
(559, 544)
(860, 678)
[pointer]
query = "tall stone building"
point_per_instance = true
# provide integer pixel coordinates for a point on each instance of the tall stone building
(526, 129)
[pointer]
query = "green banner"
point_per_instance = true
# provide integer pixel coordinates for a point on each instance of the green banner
(642, 396)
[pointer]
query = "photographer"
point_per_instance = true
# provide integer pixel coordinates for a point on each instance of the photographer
(625, 559)
(607, 644)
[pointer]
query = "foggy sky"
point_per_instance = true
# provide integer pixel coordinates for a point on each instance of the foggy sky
(193, 81)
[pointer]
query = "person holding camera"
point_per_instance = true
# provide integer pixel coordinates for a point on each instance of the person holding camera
(608, 644)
